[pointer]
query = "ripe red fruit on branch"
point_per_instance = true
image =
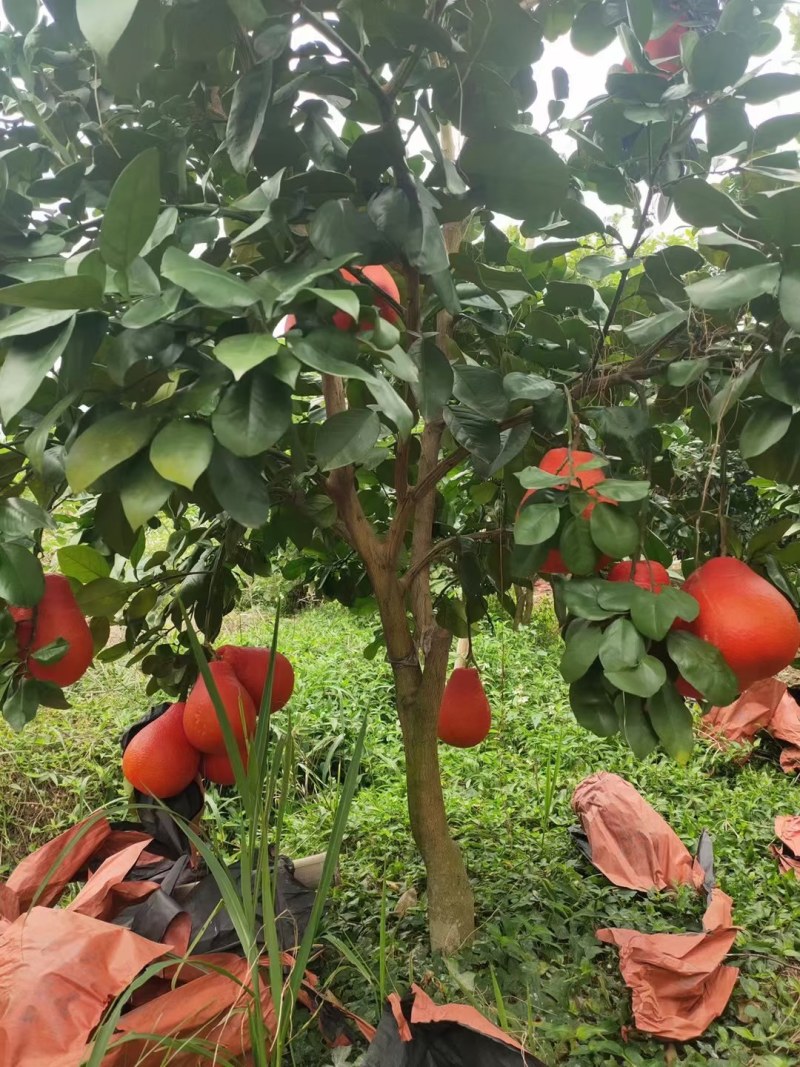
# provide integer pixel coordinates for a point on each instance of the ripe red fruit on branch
(200, 717)
(664, 51)
(217, 767)
(251, 666)
(381, 279)
(752, 624)
(465, 717)
(159, 760)
(564, 461)
(647, 574)
(57, 615)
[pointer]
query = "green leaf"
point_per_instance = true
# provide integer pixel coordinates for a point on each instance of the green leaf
(614, 533)
(480, 436)
(622, 646)
(481, 389)
(132, 210)
(654, 613)
(27, 363)
(59, 294)
(181, 451)
(103, 23)
(727, 127)
(516, 173)
(735, 287)
(685, 371)
(536, 523)
(83, 563)
(330, 351)
(717, 60)
(391, 405)
(251, 96)
(767, 424)
(703, 666)
(245, 351)
(209, 285)
(53, 652)
(576, 546)
(590, 32)
(346, 438)
(672, 721)
(143, 493)
(581, 599)
(591, 705)
(345, 300)
(152, 309)
(615, 596)
(105, 444)
(643, 680)
(764, 88)
(21, 703)
(22, 14)
(701, 204)
(581, 645)
(253, 414)
(435, 385)
(239, 487)
(640, 17)
(31, 320)
(21, 576)
(789, 288)
(520, 386)
(636, 727)
(102, 597)
(780, 378)
(653, 329)
(21, 518)
(617, 489)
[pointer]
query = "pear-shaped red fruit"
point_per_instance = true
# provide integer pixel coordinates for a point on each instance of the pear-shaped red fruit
(648, 574)
(57, 615)
(218, 768)
(200, 717)
(159, 760)
(752, 624)
(251, 666)
(465, 717)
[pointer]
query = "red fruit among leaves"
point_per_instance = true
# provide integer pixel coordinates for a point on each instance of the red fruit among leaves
(159, 760)
(646, 573)
(664, 51)
(381, 279)
(56, 616)
(200, 719)
(217, 767)
(465, 717)
(251, 666)
(752, 624)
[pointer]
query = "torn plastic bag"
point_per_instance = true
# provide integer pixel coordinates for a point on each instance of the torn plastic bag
(626, 840)
(415, 1032)
(767, 705)
(787, 829)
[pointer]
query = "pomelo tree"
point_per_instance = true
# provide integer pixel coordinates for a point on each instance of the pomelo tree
(179, 176)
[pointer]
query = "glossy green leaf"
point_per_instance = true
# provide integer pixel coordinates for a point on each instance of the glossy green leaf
(253, 414)
(103, 23)
(132, 210)
(240, 488)
(701, 204)
(520, 386)
(780, 378)
(654, 328)
(21, 576)
(767, 424)
(435, 385)
(622, 646)
(58, 294)
(22, 518)
(143, 493)
(244, 351)
(251, 96)
(83, 563)
(703, 666)
(105, 444)
(624, 491)
(27, 363)
(499, 165)
(718, 60)
(210, 285)
(735, 287)
(614, 533)
(181, 451)
(591, 705)
(581, 598)
(102, 597)
(31, 320)
(654, 613)
(536, 523)
(672, 721)
(481, 389)
(581, 645)
(330, 351)
(643, 680)
(635, 725)
(346, 438)
(576, 546)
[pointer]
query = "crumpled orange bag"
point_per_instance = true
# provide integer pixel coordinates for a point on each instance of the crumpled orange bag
(787, 828)
(678, 982)
(766, 705)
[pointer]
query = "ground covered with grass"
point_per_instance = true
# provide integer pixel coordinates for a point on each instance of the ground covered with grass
(536, 965)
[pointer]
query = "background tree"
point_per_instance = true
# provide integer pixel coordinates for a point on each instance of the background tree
(179, 176)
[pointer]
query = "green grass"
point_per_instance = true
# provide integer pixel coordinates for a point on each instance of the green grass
(536, 959)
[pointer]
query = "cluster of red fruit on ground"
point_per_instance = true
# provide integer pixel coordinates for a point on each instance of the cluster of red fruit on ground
(165, 756)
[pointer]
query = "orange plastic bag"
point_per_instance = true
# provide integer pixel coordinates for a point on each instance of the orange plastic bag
(787, 828)
(766, 705)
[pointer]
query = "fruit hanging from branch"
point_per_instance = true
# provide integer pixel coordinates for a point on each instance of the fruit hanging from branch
(382, 280)
(159, 760)
(217, 767)
(56, 618)
(645, 573)
(465, 716)
(251, 667)
(200, 717)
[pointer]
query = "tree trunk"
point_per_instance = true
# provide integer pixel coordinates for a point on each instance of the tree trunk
(451, 904)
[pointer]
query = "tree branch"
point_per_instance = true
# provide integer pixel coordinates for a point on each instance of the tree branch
(441, 547)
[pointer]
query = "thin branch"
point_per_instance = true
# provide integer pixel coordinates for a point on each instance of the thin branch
(442, 547)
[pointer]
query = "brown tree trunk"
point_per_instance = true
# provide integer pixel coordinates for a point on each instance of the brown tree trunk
(451, 904)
